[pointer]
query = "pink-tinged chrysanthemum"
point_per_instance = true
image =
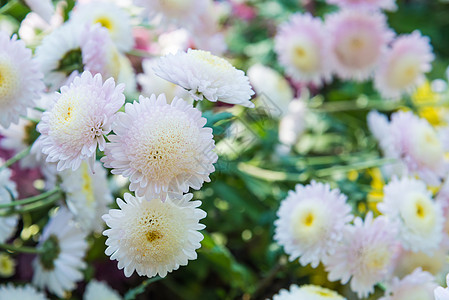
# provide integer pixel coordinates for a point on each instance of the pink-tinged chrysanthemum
(303, 49)
(370, 5)
(418, 285)
(409, 205)
(358, 41)
(95, 45)
(153, 237)
(161, 147)
(311, 221)
(365, 256)
(442, 293)
(80, 117)
(20, 80)
(403, 66)
(205, 75)
(307, 292)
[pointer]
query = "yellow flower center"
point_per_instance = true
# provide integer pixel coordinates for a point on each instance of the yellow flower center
(305, 57)
(323, 293)
(105, 21)
(404, 71)
(376, 258)
(418, 213)
(8, 81)
(211, 59)
(87, 186)
(308, 222)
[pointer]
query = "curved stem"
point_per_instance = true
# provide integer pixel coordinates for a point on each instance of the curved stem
(30, 199)
(131, 295)
(33, 206)
(16, 157)
(8, 6)
(21, 249)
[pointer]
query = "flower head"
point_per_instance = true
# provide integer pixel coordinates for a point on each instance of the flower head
(58, 268)
(80, 117)
(206, 76)
(26, 292)
(97, 290)
(365, 256)
(153, 237)
(409, 205)
(20, 80)
(309, 292)
(310, 222)
(358, 41)
(161, 147)
(418, 285)
(403, 66)
(303, 49)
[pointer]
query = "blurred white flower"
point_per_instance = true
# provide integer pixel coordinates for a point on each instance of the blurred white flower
(8, 193)
(307, 292)
(26, 292)
(418, 285)
(96, 290)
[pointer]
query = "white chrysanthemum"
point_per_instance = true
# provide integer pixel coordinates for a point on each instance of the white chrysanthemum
(59, 54)
(273, 90)
(358, 40)
(44, 8)
(442, 293)
(161, 147)
(409, 205)
(80, 117)
(87, 195)
(311, 221)
(365, 256)
(110, 16)
(403, 66)
(58, 268)
(152, 236)
(303, 49)
(153, 84)
(20, 80)
(8, 193)
(206, 76)
(418, 285)
(183, 13)
(97, 290)
(26, 292)
(307, 292)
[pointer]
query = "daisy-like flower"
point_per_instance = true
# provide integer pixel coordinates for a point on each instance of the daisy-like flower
(413, 142)
(365, 256)
(358, 40)
(184, 13)
(153, 84)
(409, 205)
(44, 8)
(311, 221)
(206, 76)
(58, 267)
(108, 15)
(20, 79)
(442, 293)
(80, 117)
(97, 290)
(272, 88)
(309, 292)
(87, 195)
(303, 49)
(161, 147)
(371, 5)
(403, 66)
(151, 236)
(8, 193)
(26, 292)
(418, 285)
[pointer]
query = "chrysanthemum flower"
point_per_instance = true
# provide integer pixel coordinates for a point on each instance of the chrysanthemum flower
(365, 256)
(26, 292)
(403, 66)
(153, 237)
(409, 205)
(97, 290)
(8, 189)
(303, 49)
(413, 142)
(161, 147)
(309, 292)
(358, 41)
(58, 268)
(311, 221)
(44, 8)
(370, 5)
(206, 76)
(442, 293)
(184, 13)
(81, 116)
(110, 16)
(87, 195)
(435, 263)
(20, 80)
(418, 285)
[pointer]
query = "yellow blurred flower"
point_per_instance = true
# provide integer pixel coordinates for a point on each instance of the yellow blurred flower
(376, 194)
(427, 102)
(7, 265)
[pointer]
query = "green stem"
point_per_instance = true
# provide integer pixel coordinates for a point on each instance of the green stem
(39, 109)
(269, 174)
(29, 119)
(21, 249)
(131, 295)
(8, 6)
(16, 157)
(30, 199)
(31, 207)
(355, 166)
